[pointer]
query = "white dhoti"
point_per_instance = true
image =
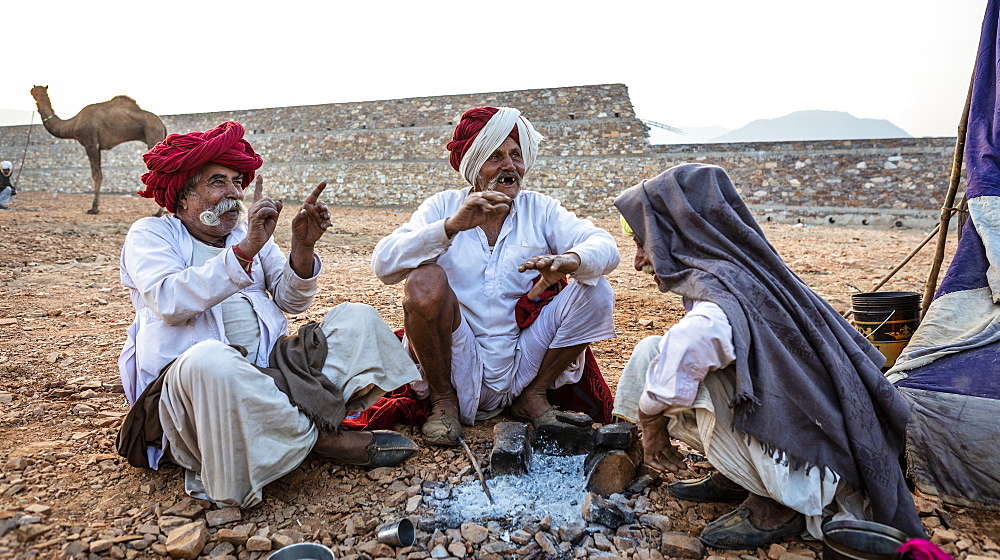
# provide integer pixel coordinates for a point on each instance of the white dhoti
(579, 314)
(234, 432)
(707, 425)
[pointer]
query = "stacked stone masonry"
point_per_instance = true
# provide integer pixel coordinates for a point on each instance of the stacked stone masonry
(393, 153)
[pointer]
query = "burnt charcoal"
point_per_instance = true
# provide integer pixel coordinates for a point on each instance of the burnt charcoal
(620, 435)
(511, 453)
(560, 438)
(598, 510)
(578, 419)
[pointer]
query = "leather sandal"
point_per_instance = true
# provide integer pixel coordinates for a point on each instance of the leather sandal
(734, 531)
(705, 490)
(443, 430)
(386, 449)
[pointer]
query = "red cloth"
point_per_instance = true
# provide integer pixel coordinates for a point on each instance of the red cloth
(174, 160)
(591, 395)
(468, 128)
(398, 407)
(920, 549)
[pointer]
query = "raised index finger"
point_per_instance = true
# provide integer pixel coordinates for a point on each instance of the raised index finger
(314, 196)
(258, 189)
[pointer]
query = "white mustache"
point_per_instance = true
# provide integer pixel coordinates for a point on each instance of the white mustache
(210, 217)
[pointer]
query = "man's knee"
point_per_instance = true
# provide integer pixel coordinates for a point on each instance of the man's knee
(207, 362)
(649, 346)
(426, 291)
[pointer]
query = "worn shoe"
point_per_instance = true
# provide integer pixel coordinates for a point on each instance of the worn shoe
(734, 531)
(443, 430)
(705, 490)
(386, 449)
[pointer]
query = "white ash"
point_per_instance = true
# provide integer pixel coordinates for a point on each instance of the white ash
(554, 487)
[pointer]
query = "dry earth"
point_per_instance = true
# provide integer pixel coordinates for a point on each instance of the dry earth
(64, 493)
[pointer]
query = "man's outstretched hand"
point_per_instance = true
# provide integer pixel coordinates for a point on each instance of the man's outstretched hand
(262, 218)
(551, 268)
(312, 219)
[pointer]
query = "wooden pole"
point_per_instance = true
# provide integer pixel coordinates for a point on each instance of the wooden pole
(907, 259)
(949, 201)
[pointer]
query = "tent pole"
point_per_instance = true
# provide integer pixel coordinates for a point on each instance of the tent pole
(913, 253)
(946, 209)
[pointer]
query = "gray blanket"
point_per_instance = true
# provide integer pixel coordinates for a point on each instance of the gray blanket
(808, 384)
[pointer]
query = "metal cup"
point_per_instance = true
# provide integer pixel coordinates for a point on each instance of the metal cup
(397, 533)
(303, 551)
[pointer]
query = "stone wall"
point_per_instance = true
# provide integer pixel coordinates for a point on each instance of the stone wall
(889, 182)
(393, 153)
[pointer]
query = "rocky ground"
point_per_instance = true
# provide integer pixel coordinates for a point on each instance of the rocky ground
(64, 492)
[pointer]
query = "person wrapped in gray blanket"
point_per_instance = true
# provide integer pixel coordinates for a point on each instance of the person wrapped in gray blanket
(781, 394)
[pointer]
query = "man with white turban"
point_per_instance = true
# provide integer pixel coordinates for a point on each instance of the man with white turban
(464, 255)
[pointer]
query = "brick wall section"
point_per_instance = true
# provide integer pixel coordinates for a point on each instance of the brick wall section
(393, 153)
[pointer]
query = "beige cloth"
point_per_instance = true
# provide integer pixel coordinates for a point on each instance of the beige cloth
(234, 432)
(707, 425)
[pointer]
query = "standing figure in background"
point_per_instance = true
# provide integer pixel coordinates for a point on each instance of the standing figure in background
(7, 189)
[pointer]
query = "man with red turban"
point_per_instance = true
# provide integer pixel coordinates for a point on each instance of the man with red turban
(216, 385)
(466, 256)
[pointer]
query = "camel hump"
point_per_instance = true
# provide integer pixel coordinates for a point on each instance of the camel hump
(124, 99)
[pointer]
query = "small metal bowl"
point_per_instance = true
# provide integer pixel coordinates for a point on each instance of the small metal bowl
(303, 551)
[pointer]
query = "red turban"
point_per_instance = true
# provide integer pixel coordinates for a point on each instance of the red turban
(468, 128)
(177, 158)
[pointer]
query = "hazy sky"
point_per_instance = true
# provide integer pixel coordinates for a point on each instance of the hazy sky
(692, 63)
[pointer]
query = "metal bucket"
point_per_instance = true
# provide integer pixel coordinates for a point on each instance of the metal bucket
(887, 319)
(861, 540)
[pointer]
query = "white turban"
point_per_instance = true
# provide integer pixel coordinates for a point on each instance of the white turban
(493, 135)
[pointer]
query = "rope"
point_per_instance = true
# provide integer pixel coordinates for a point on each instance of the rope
(25, 154)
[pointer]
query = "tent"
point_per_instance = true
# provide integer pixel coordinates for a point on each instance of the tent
(950, 369)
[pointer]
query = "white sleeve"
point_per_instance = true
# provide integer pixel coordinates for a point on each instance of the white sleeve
(291, 293)
(173, 291)
(597, 249)
(702, 341)
(420, 241)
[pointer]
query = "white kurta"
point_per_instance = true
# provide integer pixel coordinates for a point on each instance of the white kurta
(170, 298)
(223, 420)
(696, 352)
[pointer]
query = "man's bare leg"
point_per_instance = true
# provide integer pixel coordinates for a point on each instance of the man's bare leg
(430, 314)
(533, 402)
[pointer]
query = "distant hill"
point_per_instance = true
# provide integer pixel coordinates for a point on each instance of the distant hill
(691, 134)
(813, 125)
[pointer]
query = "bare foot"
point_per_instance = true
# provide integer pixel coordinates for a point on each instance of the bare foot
(530, 405)
(344, 447)
(767, 514)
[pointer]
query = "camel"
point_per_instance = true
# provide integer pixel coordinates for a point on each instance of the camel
(101, 126)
